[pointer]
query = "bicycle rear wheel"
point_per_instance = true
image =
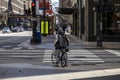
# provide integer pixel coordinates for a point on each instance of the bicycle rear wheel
(63, 59)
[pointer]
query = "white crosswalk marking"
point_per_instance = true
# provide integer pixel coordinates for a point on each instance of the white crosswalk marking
(47, 56)
(75, 56)
(21, 56)
(82, 56)
(114, 52)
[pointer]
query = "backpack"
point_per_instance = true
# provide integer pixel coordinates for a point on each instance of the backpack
(65, 40)
(65, 43)
(62, 42)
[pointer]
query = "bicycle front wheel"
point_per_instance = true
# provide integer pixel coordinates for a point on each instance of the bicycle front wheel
(53, 57)
(63, 59)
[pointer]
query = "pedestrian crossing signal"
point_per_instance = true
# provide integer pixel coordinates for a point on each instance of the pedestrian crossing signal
(33, 9)
(33, 4)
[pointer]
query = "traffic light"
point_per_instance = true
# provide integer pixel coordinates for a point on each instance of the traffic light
(33, 9)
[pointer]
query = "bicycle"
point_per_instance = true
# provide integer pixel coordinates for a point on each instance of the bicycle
(60, 57)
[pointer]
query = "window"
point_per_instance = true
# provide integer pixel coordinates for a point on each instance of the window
(111, 23)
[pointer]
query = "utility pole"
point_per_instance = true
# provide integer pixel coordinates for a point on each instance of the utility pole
(34, 39)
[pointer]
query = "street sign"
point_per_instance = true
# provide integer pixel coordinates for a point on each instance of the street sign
(44, 4)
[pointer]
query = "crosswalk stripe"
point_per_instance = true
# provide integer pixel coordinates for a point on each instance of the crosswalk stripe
(114, 52)
(75, 56)
(45, 57)
(24, 51)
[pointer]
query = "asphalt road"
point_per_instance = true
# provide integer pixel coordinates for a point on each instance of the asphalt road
(13, 39)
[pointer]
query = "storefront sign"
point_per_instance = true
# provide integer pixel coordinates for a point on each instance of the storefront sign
(44, 4)
(44, 27)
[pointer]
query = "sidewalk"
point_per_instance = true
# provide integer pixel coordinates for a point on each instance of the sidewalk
(46, 43)
(83, 44)
(75, 43)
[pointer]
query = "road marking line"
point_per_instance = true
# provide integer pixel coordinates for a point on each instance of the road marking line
(88, 56)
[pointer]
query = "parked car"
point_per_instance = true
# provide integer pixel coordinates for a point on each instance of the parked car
(15, 29)
(6, 30)
(21, 29)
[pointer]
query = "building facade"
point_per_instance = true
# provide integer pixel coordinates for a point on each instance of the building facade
(10, 6)
(64, 4)
(86, 20)
(17, 6)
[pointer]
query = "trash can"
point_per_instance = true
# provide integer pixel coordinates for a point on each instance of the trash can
(38, 36)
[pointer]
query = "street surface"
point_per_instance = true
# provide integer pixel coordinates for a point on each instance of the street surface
(12, 40)
(20, 60)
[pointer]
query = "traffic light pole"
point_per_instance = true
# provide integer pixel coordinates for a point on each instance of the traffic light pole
(44, 9)
(34, 39)
(99, 29)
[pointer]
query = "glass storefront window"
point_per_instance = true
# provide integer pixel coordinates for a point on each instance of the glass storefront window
(111, 22)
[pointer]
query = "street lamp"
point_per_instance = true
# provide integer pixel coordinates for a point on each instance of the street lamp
(99, 9)
(99, 29)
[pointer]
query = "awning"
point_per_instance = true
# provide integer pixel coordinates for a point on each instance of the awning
(66, 11)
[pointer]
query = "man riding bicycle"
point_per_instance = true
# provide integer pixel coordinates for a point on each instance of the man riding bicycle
(61, 43)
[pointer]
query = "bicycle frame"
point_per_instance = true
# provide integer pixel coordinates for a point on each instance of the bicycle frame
(61, 57)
